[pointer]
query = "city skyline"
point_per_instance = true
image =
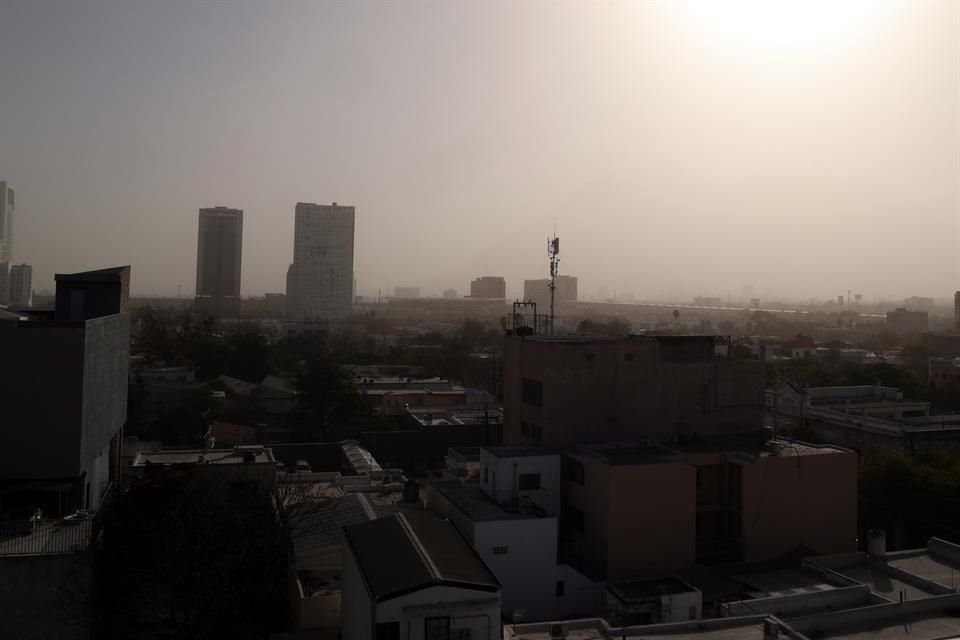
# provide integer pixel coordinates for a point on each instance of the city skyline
(510, 121)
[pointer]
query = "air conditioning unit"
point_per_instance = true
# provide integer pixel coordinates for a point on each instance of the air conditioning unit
(558, 630)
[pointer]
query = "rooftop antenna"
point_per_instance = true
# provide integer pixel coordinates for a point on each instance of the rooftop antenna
(553, 253)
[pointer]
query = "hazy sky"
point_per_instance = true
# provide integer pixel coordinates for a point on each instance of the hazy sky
(680, 148)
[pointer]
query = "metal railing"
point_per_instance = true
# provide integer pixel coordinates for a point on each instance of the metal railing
(44, 537)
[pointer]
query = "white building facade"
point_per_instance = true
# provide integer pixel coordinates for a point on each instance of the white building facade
(320, 280)
(512, 523)
(413, 577)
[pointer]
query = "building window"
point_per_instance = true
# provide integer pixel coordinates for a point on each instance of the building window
(529, 482)
(591, 357)
(574, 470)
(692, 613)
(532, 392)
(388, 631)
(525, 428)
(628, 357)
(501, 551)
(436, 628)
(486, 474)
(537, 433)
(559, 589)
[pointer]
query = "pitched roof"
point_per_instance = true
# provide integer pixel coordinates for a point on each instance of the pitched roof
(323, 529)
(413, 551)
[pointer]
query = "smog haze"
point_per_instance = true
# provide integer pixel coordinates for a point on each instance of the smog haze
(677, 152)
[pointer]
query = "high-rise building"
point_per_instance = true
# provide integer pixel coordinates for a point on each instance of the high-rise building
(6, 240)
(219, 253)
(320, 280)
(21, 286)
(493, 287)
(539, 291)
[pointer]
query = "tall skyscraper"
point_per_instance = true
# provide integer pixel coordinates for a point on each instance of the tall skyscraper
(219, 252)
(320, 280)
(21, 286)
(6, 240)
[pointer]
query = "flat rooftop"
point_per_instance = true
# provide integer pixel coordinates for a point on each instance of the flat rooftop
(260, 454)
(785, 582)
(519, 451)
(929, 567)
(636, 453)
(477, 505)
(717, 629)
(919, 626)
(638, 590)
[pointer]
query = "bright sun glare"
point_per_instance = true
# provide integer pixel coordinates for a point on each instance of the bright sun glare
(786, 26)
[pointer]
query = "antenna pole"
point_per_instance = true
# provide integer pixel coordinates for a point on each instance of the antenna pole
(553, 253)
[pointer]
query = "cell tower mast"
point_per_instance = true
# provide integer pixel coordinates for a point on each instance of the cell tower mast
(553, 253)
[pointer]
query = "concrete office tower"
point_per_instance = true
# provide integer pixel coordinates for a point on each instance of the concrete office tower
(539, 292)
(6, 240)
(21, 286)
(493, 287)
(219, 252)
(320, 280)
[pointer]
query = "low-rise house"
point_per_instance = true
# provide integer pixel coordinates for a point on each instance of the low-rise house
(415, 576)
(247, 468)
(868, 419)
(653, 601)
(511, 517)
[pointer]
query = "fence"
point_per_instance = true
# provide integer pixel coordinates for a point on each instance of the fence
(37, 537)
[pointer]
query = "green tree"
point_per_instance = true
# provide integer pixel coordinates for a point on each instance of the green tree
(327, 393)
(185, 555)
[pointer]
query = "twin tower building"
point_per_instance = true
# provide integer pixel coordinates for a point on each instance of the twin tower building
(319, 281)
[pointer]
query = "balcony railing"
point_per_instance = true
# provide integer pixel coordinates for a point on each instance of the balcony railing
(44, 537)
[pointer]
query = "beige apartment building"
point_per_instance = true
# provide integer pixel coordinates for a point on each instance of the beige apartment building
(568, 390)
(634, 510)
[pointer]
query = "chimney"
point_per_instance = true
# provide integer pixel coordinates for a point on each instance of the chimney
(877, 544)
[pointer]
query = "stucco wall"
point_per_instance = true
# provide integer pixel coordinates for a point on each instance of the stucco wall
(506, 471)
(478, 611)
(791, 500)
(106, 358)
(653, 520)
(624, 389)
(527, 571)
